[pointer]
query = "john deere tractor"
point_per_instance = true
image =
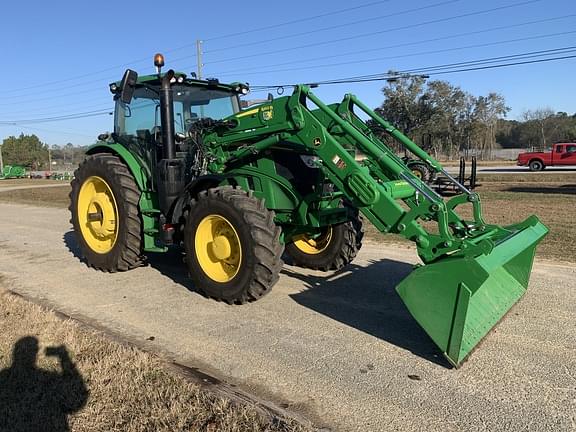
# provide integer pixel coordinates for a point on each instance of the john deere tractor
(239, 188)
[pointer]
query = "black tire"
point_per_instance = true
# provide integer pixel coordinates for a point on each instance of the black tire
(421, 171)
(536, 165)
(344, 244)
(126, 253)
(259, 242)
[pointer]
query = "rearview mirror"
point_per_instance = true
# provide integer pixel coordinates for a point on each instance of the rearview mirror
(128, 85)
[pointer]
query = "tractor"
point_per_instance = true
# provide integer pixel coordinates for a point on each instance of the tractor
(239, 189)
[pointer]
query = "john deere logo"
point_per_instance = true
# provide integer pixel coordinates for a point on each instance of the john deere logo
(267, 113)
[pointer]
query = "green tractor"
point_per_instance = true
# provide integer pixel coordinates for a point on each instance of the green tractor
(13, 172)
(241, 188)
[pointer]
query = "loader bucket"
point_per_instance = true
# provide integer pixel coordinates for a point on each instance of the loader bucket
(457, 300)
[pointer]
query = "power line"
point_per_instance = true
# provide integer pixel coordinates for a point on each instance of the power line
(403, 12)
(438, 69)
(273, 26)
(401, 45)
(296, 21)
(414, 54)
(410, 26)
(72, 116)
(59, 131)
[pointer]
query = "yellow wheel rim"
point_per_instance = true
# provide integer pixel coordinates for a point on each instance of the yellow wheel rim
(98, 215)
(218, 248)
(313, 246)
(417, 173)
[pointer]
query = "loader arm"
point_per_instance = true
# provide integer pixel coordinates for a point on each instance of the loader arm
(474, 272)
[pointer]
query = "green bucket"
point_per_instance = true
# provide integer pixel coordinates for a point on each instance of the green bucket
(457, 300)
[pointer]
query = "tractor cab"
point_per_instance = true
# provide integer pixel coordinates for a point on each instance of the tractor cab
(192, 100)
(154, 118)
(138, 110)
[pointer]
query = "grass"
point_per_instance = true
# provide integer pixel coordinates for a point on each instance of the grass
(44, 197)
(55, 374)
(528, 177)
(508, 203)
(28, 182)
(504, 201)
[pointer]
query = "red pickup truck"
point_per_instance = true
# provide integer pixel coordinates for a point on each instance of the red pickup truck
(560, 155)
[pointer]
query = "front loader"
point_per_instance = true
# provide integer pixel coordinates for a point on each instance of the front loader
(240, 188)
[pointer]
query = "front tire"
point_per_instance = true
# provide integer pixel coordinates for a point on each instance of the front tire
(333, 249)
(233, 248)
(105, 215)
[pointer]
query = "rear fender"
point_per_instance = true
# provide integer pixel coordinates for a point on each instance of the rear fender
(147, 204)
(137, 167)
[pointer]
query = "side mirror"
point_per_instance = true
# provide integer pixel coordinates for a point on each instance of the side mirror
(128, 85)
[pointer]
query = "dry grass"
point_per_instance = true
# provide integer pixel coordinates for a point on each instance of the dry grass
(528, 177)
(508, 203)
(29, 182)
(41, 196)
(505, 199)
(90, 383)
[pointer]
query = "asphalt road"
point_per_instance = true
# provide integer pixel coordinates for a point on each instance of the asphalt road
(339, 348)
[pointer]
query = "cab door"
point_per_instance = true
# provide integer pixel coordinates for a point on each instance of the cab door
(568, 156)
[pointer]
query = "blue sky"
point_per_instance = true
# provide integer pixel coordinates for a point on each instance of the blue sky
(59, 56)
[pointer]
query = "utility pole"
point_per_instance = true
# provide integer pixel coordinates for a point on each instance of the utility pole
(49, 160)
(1, 162)
(199, 57)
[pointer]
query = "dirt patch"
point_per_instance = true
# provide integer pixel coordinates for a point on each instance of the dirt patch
(55, 375)
(41, 196)
(30, 182)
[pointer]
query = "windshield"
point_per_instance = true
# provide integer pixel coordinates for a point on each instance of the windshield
(190, 104)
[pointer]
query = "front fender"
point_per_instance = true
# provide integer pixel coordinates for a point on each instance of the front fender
(135, 164)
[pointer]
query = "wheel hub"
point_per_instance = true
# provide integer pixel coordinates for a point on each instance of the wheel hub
(314, 245)
(217, 247)
(97, 214)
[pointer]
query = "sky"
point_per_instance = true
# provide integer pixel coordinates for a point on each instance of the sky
(58, 57)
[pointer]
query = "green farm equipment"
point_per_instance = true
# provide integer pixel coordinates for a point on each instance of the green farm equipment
(238, 188)
(13, 172)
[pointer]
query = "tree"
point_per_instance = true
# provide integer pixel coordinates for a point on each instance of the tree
(538, 121)
(25, 150)
(453, 118)
(489, 109)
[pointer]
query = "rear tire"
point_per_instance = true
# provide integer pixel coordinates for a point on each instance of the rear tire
(420, 170)
(105, 214)
(233, 248)
(536, 165)
(332, 250)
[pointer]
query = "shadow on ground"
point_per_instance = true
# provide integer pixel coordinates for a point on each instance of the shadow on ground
(364, 298)
(568, 189)
(170, 264)
(72, 246)
(34, 399)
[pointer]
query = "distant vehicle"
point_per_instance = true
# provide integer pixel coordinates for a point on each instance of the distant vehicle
(12, 172)
(561, 154)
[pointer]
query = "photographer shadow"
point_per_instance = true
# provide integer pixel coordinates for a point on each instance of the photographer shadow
(364, 298)
(34, 399)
